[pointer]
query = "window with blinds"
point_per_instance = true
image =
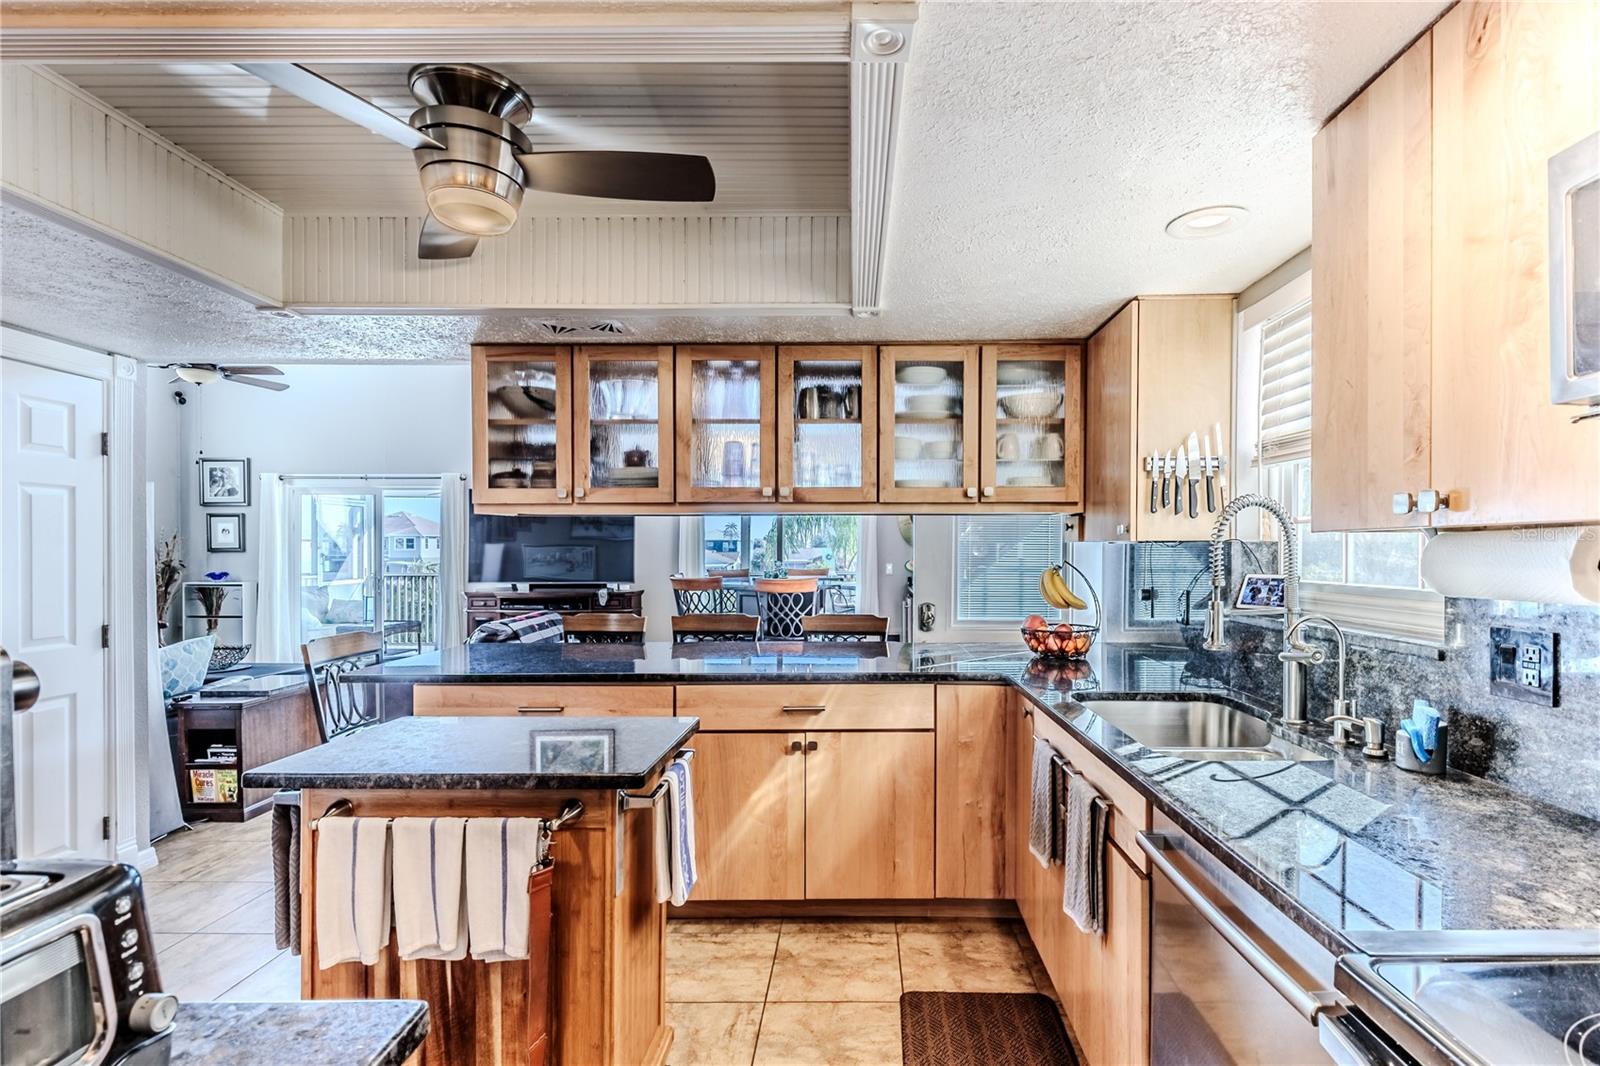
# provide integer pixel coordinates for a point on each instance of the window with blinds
(998, 561)
(1164, 578)
(1286, 386)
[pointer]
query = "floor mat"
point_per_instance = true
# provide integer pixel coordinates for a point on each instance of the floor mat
(982, 1029)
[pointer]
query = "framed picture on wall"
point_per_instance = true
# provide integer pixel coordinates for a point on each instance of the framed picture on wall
(224, 482)
(224, 532)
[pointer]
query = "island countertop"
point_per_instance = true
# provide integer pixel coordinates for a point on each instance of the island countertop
(486, 753)
(316, 1033)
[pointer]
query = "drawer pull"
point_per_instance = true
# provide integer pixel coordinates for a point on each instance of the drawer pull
(540, 710)
(805, 709)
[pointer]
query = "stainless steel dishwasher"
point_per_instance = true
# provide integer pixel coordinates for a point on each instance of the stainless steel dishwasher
(1232, 979)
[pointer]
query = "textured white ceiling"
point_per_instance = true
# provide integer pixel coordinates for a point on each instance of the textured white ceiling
(1044, 147)
(777, 134)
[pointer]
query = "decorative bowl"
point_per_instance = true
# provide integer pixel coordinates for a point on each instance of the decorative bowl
(929, 404)
(227, 656)
(920, 375)
(1060, 641)
(939, 449)
(1038, 404)
(907, 448)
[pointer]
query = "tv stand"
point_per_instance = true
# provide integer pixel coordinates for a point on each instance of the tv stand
(489, 605)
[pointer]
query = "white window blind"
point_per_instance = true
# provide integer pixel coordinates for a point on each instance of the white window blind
(998, 561)
(1159, 574)
(1286, 386)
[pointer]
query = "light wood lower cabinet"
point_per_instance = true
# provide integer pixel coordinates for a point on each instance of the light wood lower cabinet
(972, 774)
(750, 815)
(597, 700)
(869, 815)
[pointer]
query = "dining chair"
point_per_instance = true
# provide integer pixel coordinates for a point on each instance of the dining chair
(781, 604)
(807, 571)
(601, 627)
(846, 628)
(699, 595)
(697, 628)
(342, 705)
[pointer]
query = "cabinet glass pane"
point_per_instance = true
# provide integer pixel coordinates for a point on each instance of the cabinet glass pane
(1030, 449)
(927, 423)
(726, 401)
(827, 424)
(624, 419)
(522, 423)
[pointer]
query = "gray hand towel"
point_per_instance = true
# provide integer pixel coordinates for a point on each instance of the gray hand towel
(1041, 803)
(1083, 874)
(286, 871)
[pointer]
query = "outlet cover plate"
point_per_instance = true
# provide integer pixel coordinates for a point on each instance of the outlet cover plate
(1523, 665)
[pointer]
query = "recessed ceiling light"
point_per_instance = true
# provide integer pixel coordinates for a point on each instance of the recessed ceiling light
(1207, 222)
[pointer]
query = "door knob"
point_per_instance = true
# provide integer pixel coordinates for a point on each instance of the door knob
(24, 685)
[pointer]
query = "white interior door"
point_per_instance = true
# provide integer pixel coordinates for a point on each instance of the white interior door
(53, 559)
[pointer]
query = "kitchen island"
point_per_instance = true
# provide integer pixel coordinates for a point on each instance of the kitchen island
(608, 953)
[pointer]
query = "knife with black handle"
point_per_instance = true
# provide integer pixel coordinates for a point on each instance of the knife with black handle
(1166, 486)
(1155, 464)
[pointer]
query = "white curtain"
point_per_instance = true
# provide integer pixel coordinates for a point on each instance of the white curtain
(453, 519)
(277, 599)
(691, 546)
(867, 567)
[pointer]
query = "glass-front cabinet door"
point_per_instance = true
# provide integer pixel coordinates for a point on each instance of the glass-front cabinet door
(827, 424)
(1032, 424)
(928, 423)
(522, 424)
(727, 450)
(623, 439)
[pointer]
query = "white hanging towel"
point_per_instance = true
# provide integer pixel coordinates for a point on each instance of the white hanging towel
(679, 802)
(1083, 875)
(661, 833)
(352, 890)
(429, 907)
(501, 853)
(1041, 802)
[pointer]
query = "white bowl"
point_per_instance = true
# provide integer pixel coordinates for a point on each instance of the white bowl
(1040, 404)
(920, 375)
(928, 405)
(939, 449)
(907, 448)
(1019, 374)
(921, 483)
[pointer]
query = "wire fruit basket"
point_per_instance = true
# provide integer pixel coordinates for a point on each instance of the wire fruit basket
(1065, 641)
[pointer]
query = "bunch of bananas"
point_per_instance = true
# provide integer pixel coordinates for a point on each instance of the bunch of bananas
(1057, 593)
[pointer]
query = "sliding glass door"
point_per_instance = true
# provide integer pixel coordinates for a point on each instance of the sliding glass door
(367, 558)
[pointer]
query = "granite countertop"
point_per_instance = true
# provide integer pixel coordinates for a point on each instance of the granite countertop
(370, 1032)
(248, 687)
(1343, 844)
(486, 753)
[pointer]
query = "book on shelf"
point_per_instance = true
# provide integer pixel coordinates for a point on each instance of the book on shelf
(214, 786)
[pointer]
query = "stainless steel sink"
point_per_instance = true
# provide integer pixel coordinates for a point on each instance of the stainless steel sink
(1197, 730)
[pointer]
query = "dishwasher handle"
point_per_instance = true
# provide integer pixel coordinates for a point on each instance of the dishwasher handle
(1309, 1003)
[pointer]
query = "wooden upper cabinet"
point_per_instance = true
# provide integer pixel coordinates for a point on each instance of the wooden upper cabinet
(1513, 84)
(727, 446)
(623, 417)
(1371, 251)
(928, 403)
(1160, 369)
(1030, 432)
(827, 424)
(522, 424)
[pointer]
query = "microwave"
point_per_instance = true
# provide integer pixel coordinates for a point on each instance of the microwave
(78, 978)
(1575, 273)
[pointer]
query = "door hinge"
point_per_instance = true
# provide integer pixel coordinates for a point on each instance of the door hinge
(105, 636)
(105, 828)
(105, 444)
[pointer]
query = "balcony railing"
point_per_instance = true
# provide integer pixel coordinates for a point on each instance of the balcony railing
(413, 597)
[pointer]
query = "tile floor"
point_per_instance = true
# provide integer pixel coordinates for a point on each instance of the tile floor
(739, 992)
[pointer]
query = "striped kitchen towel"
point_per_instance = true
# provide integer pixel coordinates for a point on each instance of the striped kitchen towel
(429, 905)
(1083, 875)
(353, 917)
(531, 628)
(1041, 803)
(286, 870)
(500, 854)
(679, 802)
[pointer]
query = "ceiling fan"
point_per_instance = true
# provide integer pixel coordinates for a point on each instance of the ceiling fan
(474, 160)
(206, 373)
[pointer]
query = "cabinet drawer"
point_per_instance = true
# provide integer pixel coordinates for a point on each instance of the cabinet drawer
(813, 708)
(541, 699)
(1130, 811)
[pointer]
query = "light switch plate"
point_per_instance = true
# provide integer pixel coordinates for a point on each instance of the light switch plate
(1523, 665)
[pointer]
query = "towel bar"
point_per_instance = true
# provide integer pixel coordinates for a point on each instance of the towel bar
(339, 808)
(633, 801)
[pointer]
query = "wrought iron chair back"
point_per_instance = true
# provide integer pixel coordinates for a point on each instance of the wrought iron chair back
(782, 604)
(700, 595)
(343, 706)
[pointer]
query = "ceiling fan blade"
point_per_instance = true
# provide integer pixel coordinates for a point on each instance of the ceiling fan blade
(314, 88)
(275, 386)
(174, 381)
(622, 175)
(260, 371)
(438, 241)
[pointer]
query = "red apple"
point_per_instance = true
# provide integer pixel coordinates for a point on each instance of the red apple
(1034, 621)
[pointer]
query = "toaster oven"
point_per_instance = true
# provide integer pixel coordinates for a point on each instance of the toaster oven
(78, 978)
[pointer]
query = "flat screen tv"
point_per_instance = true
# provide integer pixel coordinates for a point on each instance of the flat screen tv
(550, 550)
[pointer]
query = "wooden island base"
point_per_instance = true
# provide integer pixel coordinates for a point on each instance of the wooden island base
(608, 971)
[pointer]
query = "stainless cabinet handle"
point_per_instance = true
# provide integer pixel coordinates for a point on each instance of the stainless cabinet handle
(801, 708)
(1404, 503)
(540, 710)
(766, 491)
(988, 490)
(561, 494)
(972, 492)
(579, 494)
(1431, 500)
(1308, 1003)
(785, 491)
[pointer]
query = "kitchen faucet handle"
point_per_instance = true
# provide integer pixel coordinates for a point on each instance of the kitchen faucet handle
(1302, 653)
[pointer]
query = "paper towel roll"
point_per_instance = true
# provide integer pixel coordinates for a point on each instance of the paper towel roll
(1556, 564)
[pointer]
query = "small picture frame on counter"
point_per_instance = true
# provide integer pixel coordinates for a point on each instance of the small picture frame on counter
(225, 532)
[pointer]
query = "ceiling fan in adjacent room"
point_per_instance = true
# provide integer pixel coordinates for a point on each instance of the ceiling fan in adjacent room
(474, 160)
(206, 373)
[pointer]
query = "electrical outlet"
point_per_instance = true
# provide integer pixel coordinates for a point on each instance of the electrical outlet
(1523, 666)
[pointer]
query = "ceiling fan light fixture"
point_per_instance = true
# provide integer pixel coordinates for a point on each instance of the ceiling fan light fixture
(197, 375)
(471, 198)
(1207, 222)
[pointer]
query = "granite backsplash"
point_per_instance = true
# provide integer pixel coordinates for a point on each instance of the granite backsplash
(1549, 753)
